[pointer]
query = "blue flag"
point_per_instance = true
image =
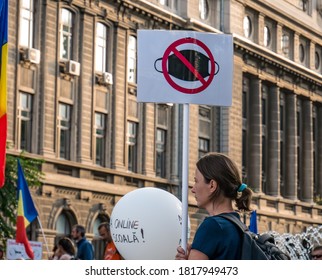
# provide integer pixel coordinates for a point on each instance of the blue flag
(253, 222)
(29, 211)
(26, 212)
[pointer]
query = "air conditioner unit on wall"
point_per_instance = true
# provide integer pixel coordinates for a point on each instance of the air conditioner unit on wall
(32, 55)
(72, 68)
(107, 78)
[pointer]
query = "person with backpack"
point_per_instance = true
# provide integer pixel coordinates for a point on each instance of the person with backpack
(85, 250)
(217, 187)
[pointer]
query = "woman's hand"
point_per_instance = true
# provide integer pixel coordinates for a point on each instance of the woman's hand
(181, 254)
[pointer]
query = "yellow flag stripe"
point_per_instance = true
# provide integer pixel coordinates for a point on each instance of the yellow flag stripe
(3, 80)
(20, 209)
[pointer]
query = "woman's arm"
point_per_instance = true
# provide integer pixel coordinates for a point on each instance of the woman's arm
(197, 255)
(190, 255)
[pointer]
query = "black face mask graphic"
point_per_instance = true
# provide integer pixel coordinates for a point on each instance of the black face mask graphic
(179, 70)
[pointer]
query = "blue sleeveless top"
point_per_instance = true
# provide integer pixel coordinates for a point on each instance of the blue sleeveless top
(218, 238)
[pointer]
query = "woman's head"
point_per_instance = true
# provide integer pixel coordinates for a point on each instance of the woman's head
(66, 245)
(221, 169)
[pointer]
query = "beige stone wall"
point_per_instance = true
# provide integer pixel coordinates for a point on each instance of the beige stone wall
(85, 190)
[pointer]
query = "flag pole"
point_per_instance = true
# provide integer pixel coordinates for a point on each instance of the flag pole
(43, 234)
(185, 176)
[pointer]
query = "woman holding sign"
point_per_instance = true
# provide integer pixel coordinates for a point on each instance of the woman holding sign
(217, 186)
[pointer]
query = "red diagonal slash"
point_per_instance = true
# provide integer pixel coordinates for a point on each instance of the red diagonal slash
(173, 49)
(189, 66)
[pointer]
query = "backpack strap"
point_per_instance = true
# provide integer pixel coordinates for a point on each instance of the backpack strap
(234, 220)
(250, 249)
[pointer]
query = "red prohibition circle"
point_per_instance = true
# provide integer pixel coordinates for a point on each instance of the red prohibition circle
(172, 48)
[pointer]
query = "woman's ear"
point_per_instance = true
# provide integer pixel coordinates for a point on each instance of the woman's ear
(213, 186)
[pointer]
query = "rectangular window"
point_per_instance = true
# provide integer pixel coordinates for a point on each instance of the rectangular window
(205, 130)
(264, 165)
(25, 121)
(100, 53)
(282, 162)
(165, 2)
(100, 138)
(132, 130)
(64, 128)
(26, 23)
(203, 147)
(264, 109)
(163, 114)
(245, 96)
(244, 157)
(287, 43)
(66, 34)
(132, 60)
(299, 128)
(315, 151)
(161, 153)
(305, 6)
(172, 4)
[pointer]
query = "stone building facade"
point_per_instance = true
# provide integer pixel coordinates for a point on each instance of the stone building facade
(72, 88)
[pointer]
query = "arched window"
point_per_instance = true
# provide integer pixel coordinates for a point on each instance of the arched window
(63, 225)
(203, 9)
(247, 25)
(267, 36)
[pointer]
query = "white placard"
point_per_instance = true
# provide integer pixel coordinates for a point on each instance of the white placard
(16, 251)
(185, 67)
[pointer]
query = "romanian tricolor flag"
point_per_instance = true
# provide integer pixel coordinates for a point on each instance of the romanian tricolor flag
(3, 85)
(26, 212)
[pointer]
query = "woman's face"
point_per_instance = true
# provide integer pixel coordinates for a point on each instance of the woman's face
(201, 190)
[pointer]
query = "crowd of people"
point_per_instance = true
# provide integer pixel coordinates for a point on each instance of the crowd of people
(218, 189)
(81, 248)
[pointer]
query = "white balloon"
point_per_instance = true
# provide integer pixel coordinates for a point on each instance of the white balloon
(146, 225)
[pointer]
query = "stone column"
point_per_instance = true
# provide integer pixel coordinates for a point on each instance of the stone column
(254, 165)
(296, 43)
(312, 55)
(307, 152)
(261, 25)
(290, 147)
(319, 151)
(47, 81)
(279, 32)
(83, 92)
(118, 154)
(148, 137)
(273, 149)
